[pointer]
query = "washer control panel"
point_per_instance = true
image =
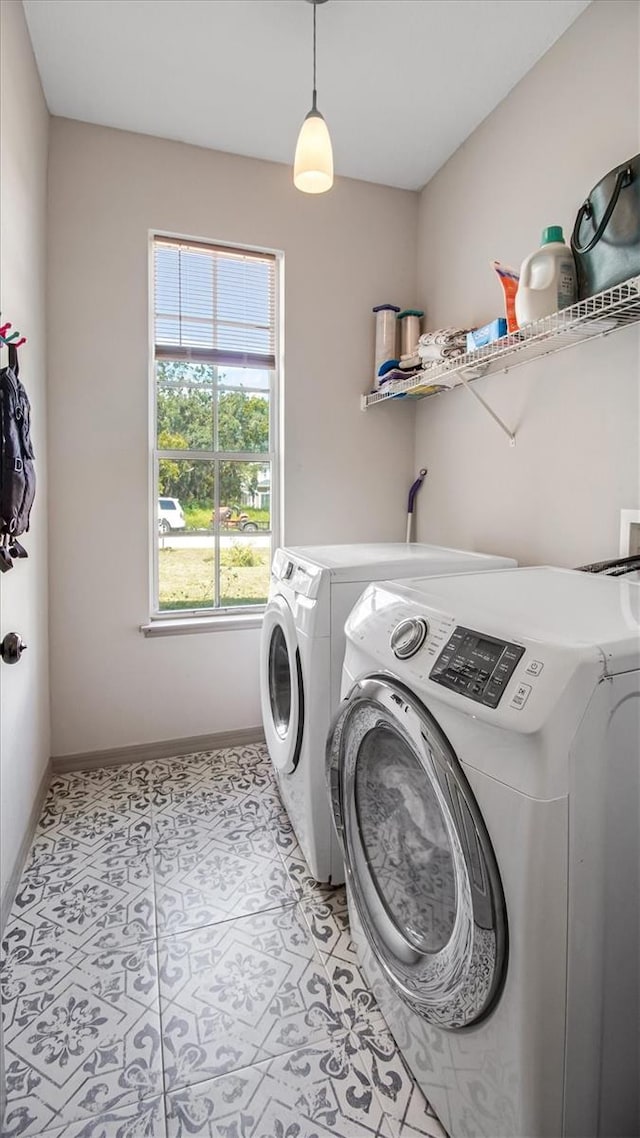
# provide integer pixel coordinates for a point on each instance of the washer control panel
(476, 665)
(408, 637)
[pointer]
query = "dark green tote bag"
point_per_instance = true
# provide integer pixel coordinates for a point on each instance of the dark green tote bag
(606, 236)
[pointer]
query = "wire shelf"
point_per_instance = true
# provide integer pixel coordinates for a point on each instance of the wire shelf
(597, 316)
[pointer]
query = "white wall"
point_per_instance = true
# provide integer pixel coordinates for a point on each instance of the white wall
(346, 473)
(24, 688)
(556, 497)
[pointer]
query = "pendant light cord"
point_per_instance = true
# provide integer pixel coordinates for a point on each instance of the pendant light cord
(314, 56)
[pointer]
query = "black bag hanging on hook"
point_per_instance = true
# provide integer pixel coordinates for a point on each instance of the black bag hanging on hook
(17, 472)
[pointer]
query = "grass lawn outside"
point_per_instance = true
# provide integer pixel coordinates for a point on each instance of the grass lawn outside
(199, 517)
(186, 577)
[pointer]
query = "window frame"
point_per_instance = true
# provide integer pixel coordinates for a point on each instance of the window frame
(229, 616)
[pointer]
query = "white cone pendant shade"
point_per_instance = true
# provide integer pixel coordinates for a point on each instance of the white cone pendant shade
(313, 163)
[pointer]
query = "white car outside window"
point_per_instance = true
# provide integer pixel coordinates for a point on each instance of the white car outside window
(170, 515)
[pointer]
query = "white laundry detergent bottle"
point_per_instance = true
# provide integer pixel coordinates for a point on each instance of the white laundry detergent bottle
(547, 279)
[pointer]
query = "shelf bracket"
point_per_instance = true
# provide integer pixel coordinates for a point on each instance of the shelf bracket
(503, 426)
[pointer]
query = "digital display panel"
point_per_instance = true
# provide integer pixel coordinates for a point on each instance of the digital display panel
(481, 653)
(476, 665)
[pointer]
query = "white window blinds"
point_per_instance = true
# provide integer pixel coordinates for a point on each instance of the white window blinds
(214, 303)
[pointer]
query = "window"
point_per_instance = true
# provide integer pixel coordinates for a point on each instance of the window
(215, 386)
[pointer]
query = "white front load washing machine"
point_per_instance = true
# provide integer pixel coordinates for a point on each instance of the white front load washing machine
(484, 777)
(312, 591)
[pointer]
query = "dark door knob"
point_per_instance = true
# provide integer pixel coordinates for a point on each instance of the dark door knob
(12, 648)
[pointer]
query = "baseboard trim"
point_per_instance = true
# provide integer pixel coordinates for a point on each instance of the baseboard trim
(11, 888)
(165, 749)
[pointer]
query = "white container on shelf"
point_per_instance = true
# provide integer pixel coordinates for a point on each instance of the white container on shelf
(547, 279)
(386, 334)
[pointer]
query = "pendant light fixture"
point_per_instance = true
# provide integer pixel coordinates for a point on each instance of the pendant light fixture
(313, 163)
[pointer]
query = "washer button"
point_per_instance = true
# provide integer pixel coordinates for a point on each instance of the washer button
(492, 695)
(520, 696)
(534, 668)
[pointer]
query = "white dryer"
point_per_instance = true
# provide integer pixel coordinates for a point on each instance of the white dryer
(484, 776)
(312, 591)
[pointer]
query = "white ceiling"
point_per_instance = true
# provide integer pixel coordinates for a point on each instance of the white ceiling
(401, 83)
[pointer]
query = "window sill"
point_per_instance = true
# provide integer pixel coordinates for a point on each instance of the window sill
(190, 625)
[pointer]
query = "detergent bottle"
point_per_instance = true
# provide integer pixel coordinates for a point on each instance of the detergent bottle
(547, 279)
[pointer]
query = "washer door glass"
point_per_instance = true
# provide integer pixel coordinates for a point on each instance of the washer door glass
(420, 864)
(279, 681)
(281, 686)
(405, 839)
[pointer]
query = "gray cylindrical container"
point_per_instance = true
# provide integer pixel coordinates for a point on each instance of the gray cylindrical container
(409, 322)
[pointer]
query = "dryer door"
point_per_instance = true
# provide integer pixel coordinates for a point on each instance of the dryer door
(281, 686)
(421, 868)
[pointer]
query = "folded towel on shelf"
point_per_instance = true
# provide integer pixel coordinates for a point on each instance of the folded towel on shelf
(442, 383)
(387, 366)
(443, 344)
(407, 362)
(396, 373)
(443, 337)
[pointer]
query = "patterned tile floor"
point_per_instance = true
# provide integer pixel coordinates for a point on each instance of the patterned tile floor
(170, 969)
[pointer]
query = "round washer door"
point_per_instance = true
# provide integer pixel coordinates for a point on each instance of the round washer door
(281, 686)
(420, 864)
